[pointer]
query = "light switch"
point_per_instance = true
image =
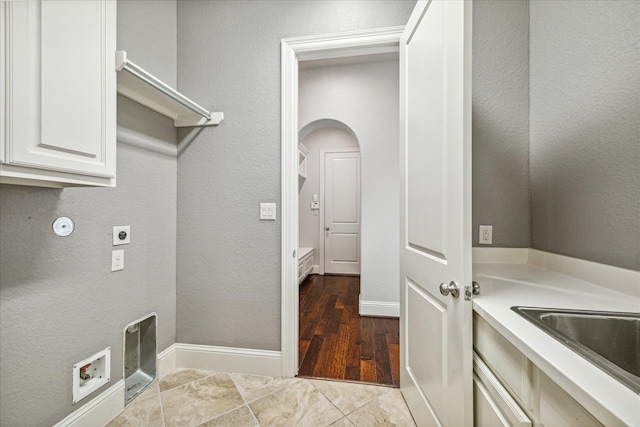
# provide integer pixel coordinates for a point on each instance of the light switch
(268, 211)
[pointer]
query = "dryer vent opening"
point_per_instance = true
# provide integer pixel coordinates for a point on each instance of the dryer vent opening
(140, 356)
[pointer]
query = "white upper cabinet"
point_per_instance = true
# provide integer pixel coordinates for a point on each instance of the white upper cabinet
(58, 93)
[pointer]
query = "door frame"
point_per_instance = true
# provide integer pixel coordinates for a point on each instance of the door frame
(293, 51)
(321, 235)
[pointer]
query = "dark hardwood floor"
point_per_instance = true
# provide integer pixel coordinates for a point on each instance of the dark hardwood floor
(336, 342)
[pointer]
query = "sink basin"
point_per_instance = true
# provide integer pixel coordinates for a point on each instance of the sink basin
(609, 340)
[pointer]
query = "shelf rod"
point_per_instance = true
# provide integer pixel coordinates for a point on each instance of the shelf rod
(125, 64)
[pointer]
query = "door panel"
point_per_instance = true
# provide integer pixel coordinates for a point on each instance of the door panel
(424, 355)
(341, 177)
(425, 115)
(435, 106)
(344, 247)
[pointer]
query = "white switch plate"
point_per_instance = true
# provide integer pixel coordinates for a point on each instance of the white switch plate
(268, 211)
(116, 235)
(485, 236)
(117, 260)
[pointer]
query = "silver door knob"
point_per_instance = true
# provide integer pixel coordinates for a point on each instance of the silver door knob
(451, 288)
(327, 228)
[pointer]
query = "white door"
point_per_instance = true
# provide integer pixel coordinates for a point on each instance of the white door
(435, 123)
(341, 230)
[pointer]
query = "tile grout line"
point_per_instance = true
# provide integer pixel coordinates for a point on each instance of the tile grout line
(199, 379)
(350, 412)
(164, 424)
(244, 399)
(334, 405)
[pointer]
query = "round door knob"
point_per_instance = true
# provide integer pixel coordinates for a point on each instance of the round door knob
(451, 288)
(327, 228)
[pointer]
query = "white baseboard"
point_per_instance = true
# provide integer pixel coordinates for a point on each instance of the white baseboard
(379, 309)
(166, 361)
(99, 410)
(315, 269)
(228, 359)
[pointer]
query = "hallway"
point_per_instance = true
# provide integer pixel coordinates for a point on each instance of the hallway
(335, 342)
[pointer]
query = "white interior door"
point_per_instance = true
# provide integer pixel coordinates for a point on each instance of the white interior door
(435, 122)
(341, 230)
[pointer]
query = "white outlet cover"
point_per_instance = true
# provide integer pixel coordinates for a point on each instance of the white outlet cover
(485, 235)
(117, 260)
(116, 235)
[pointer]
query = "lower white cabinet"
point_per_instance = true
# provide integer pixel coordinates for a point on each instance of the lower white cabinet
(510, 390)
(493, 405)
(305, 263)
(58, 93)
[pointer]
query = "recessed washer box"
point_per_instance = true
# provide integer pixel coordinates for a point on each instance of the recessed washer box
(91, 373)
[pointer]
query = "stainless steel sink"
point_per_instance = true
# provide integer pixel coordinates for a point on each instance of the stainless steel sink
(609, 340)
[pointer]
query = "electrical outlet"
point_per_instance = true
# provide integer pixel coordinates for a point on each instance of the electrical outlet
(485, 236)
(121, 235)
(117, 260)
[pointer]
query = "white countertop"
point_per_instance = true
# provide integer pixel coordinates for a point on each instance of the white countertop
(503, 286)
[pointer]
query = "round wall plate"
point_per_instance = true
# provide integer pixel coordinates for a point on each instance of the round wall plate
(63, 226)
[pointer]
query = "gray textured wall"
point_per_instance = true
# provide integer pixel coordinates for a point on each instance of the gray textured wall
(585, 130)
(500, 122)
(59, 300)
(228, 260)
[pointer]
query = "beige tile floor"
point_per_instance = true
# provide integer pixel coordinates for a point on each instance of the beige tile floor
(190, 397)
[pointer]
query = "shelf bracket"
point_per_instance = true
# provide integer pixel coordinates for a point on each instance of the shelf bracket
(144, 88)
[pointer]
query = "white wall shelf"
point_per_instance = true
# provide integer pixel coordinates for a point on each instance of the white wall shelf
(139, 85)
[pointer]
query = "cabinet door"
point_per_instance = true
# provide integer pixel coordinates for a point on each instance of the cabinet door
(61, 89)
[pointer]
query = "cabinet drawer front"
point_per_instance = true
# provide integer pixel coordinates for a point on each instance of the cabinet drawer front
(504, 359)
(494, 405)
(61, 102)
(308, 263)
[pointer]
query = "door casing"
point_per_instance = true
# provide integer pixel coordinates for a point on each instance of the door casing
(293, 51)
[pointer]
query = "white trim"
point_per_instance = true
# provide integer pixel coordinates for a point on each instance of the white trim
(166, 361)
(379, 308)
(99, 410)
(609, 276)
(500, 255)
(229, 359)
(294, 50)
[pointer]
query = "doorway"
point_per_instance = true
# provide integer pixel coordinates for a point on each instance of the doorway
(295, 51)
